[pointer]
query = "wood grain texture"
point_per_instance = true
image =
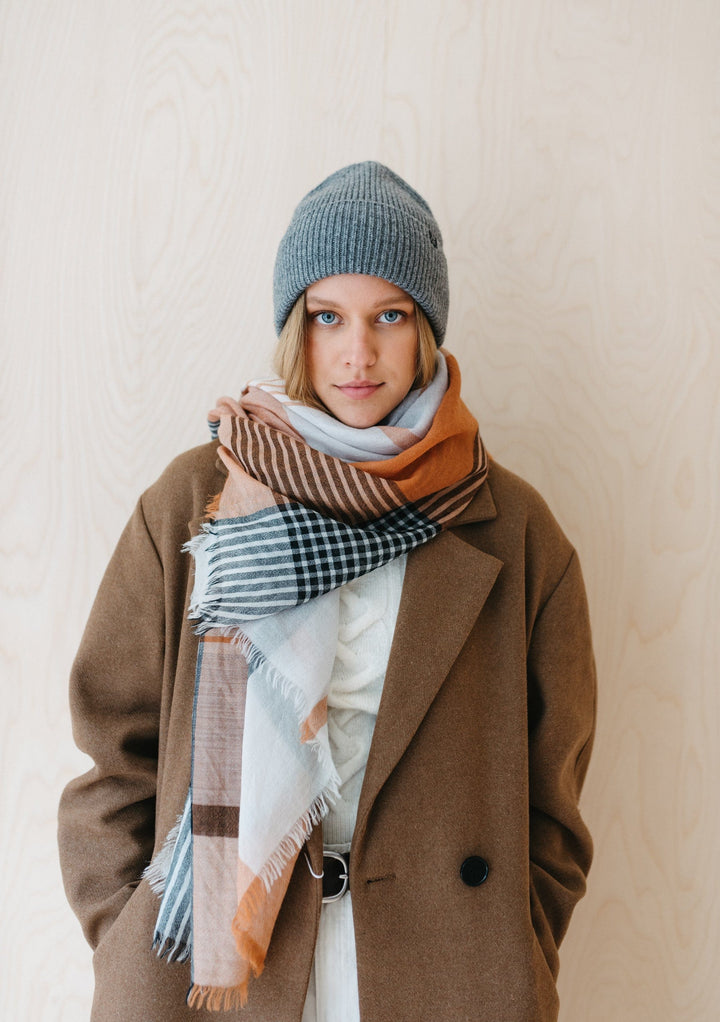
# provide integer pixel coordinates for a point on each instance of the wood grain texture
(151, 154)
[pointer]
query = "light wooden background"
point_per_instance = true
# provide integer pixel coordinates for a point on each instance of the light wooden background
(150, 156)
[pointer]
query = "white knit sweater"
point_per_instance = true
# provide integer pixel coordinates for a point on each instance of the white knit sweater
(368, 611)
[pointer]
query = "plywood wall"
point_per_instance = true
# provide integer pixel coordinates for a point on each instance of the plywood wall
(150, 156)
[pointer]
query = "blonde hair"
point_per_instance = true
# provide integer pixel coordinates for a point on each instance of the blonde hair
(290, 360)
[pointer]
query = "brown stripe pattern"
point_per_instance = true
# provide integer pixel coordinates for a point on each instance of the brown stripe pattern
(289, 467)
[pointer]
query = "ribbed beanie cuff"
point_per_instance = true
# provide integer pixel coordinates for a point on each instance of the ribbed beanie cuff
(364, 219)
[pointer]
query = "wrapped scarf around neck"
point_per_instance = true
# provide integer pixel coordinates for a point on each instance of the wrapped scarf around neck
(309, 504)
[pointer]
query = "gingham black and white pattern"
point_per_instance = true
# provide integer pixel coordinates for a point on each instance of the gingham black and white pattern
(283, 556)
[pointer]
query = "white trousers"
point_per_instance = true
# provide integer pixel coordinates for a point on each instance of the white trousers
(333, 991)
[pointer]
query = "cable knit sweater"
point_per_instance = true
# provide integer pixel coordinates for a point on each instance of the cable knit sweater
(368, 611)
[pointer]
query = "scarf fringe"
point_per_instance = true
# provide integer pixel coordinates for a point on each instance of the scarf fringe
(197, 546)
(212, 507)
(170, 949)
(218, 998)
(291, 844)
(157, 870)
(257, 661)
(318, 809)
(202, 538)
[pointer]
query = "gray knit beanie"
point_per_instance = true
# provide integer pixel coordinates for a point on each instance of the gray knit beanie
(364, 219)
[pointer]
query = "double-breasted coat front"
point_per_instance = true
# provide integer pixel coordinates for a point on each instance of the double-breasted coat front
(479, 752)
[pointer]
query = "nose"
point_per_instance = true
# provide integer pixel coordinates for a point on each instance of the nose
(360, 351)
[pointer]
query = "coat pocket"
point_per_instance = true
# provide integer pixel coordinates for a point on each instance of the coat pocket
(131, 981)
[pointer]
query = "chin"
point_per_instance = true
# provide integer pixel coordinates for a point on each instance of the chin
(359, 421)
(358, 418)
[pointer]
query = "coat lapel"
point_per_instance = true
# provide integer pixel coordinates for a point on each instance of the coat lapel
(446, 585)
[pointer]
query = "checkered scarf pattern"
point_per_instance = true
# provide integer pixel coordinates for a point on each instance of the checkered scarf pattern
(292, 524)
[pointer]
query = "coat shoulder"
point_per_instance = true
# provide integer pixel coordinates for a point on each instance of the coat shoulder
(196, 470)
(522, 531)
(182, 492)
(515, 496)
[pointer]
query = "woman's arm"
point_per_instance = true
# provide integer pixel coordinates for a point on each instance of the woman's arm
(107, 816)
(562, 704)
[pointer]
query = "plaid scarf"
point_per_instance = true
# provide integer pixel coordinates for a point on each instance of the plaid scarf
(309, 504)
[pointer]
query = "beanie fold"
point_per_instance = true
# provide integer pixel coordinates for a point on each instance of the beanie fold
(364, 219)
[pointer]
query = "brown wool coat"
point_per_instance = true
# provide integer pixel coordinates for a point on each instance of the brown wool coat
(481, 745)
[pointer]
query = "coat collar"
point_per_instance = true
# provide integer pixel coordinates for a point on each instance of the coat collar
(481, 508)
(429, 607)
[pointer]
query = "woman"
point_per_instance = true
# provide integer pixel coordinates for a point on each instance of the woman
(375, 685)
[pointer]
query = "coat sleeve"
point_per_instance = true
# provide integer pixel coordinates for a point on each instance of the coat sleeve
(106, 818)
(562, 707)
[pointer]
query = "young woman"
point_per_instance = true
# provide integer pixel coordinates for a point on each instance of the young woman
(339, 735)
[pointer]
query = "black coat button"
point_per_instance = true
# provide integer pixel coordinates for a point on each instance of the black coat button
(474, 871)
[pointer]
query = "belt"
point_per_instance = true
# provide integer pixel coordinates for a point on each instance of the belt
(335, 874)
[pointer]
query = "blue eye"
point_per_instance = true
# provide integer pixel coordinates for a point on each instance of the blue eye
(391, 316)
(326, 318)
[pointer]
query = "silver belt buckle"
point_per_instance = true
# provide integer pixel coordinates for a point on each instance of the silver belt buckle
(343, 875)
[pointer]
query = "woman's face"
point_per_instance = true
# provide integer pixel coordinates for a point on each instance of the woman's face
(361, 346)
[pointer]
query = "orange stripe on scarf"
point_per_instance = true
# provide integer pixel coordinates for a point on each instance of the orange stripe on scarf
(252, 928)
(443, 456)
(316, 719)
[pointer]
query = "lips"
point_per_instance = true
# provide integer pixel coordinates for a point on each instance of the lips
(359, 389)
